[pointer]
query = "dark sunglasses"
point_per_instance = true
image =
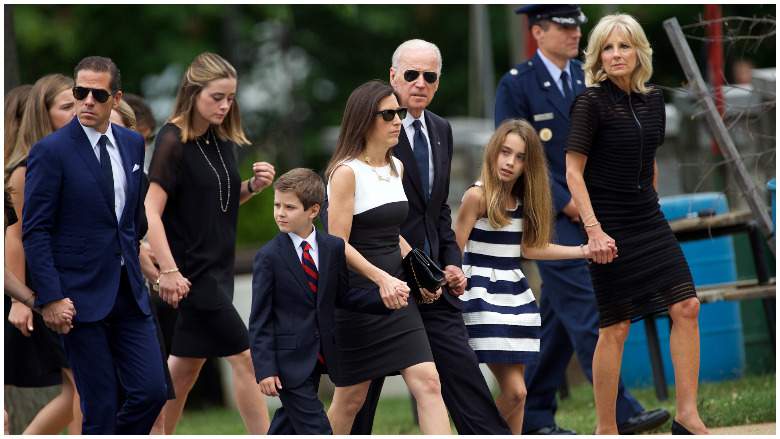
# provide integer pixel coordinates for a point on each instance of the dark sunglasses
(389, 115)
(100, 95)
(411, 75)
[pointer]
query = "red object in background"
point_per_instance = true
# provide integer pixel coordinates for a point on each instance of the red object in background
(715, 63)
(530, 42)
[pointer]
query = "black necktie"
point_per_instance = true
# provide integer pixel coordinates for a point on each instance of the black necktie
(566, 87)
(105, 166)
(421, 157)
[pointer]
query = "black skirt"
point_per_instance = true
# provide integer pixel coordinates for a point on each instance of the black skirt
(650, 272)
(375, 346)
(35, 361)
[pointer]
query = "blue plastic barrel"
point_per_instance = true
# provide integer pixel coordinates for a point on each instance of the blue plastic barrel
(772, 186)
(720, 326)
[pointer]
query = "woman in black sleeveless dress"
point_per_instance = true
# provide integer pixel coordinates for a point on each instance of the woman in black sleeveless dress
(367, 205)
(617, 125)
(192, 211)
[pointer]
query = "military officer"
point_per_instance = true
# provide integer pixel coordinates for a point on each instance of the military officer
(542, 91)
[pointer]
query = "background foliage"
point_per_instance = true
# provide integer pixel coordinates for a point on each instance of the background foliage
(298, 63)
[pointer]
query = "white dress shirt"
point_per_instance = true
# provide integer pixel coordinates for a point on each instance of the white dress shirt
(555, 72)
(118, 171)
(312, 240)
(407, 122)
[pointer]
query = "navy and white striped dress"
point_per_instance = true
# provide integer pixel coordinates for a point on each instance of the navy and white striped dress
(499, 309)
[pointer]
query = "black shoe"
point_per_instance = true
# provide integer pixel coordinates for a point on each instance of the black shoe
(551, 429)
(644, 421)
(677, 428)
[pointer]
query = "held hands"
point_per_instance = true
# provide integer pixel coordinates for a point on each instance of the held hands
(269, 385)
(58, 315)
(601, 248)
(262, 176)
(394, 292)
(21, 316)
(173, 287)
(456, 280)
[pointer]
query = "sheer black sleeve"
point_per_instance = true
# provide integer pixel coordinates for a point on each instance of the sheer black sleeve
(166, 160)
(584, 123)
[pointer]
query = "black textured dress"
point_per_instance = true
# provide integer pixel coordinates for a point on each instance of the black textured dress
(620, 133)
(374, 346)
(35, 361)
(200, 220)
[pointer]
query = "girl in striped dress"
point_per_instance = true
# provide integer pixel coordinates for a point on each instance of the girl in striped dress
(503, 217)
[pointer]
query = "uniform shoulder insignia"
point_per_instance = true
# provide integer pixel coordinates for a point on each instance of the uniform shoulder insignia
(513, 72)
(520, 69)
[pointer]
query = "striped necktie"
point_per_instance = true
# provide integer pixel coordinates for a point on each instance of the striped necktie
(310, 271)
(309, 268)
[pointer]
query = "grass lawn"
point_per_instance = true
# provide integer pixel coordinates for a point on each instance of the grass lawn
(745, 401)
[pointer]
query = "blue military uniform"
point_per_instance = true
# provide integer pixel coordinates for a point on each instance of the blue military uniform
(568, 303)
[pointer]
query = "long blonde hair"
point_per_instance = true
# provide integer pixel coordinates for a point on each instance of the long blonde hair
(205, 68)
(594, 71)
(532, 187)
(36, 122)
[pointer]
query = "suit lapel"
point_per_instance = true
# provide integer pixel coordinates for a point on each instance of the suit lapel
(548, 85)
(404, 153)
(323, 268)
(87, 154)
(290, 256)
(579, 79)
(127, 159)
(433, 137)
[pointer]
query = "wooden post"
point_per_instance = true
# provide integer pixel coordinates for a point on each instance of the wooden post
(719, 130)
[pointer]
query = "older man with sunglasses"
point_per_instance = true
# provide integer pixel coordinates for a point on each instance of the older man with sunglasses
(82, 195)
(425, 148)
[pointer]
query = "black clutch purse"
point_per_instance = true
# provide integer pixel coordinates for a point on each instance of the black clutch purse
(422, 272)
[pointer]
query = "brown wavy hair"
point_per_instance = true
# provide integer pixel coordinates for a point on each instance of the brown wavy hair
(359, 116)
(205, 68)
(532, 188)
(15, 100)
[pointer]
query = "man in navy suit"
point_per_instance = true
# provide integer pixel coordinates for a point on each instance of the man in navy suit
(542, 91)
(425, 148)
(299, 278)
(81, 241)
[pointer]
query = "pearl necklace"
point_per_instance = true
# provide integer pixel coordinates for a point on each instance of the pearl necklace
(219, 180)
(378, 175)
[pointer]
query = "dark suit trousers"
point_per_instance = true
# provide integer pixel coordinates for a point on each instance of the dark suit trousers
(569, 325)
(302, 411)
(120, 350)
(463, 386)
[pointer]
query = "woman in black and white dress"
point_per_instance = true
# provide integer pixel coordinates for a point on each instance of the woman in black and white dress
(367, 205)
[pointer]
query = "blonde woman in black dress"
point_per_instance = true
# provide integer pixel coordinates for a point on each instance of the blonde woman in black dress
(192, 210)
(617, 125)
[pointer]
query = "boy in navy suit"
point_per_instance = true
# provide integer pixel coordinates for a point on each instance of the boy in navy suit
(299, 277)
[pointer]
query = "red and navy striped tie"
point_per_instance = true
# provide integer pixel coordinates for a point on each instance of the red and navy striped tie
(309, 268)
(310, 271)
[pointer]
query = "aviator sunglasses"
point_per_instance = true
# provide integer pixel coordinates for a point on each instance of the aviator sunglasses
(411, 75)
(389, 115)
(99, 94)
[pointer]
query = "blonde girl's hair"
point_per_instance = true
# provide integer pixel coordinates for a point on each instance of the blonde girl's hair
(36, 123)
(205, 68)
(532, 188)
(127, 115)
(594, 71)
